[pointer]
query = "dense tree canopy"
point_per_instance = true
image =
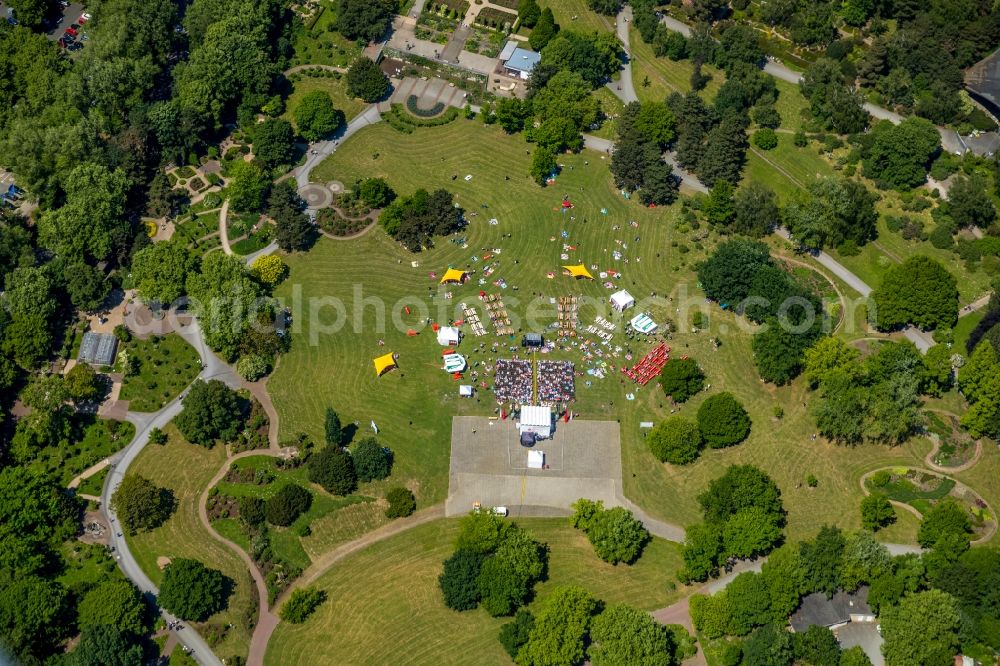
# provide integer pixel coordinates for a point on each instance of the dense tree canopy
(624, 636)
(920, 291)
(832, 213)
(561, 625)
(334, 469)
(117, 603)
(723, 421)
(899, 154)
(141, 505)
(675, 440)
(366, 80)
(315, 116)
(290, 502)
(212, 412)
(416, 219)
(372, 461)
(615, 533)
(682, 378)
(192, 591)
(365, 19)
(922, 629)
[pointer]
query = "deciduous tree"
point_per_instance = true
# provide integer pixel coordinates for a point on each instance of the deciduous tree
(682, 378)
(117, 603)
(723, 421)
(675, 440)
(561, 626)
(372, 461)
(192, 591)
(141, 505)
(211, 412)
(366, 80)
(876, 512)
(625, 636)
(922, 629)
(920, 291)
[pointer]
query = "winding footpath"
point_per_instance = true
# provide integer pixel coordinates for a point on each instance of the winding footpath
(950, 139)
(212, 368)
(921, 339)
(320, 150)
(623, 89)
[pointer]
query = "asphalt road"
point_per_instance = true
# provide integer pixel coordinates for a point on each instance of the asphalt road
(321, 150)
(949, 138)
(213, 368)
(921, 339)
(623, 88)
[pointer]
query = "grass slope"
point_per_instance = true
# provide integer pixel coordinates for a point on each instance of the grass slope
(186, 469)
(389, 590)
(166, 365)
(336, 88)
(413, 405)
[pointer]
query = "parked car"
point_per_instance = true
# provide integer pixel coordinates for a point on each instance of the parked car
(81, 20)
(70, 31)
(68, 38)
(86, 16)
(74, 26)
(75, 46)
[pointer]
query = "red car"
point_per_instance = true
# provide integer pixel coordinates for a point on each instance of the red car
(81, 20)
(71, 32)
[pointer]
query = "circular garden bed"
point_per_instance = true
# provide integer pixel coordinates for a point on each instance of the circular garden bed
(954, 447)
(335, 224)
(921, 489)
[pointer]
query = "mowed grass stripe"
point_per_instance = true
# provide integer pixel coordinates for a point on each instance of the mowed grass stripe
(186, 469)
(384, 605)
(338, 372)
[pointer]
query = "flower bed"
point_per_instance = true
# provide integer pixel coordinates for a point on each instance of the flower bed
(335, 224)
(923, 489)
(412, 107)
(496, 19)
(906, 485)
(955, 447)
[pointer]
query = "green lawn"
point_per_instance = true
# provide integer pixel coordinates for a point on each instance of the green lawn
(665, 76)
(86, 566)
(963, 329)
(285, 540)
(576, 15)
(336, 88)
(94, 485)
(321, 45)
(612, 108)
(337, 369)
(786, 169)
(167, 364)
(93, 440)
(393, 584)
(186, 469)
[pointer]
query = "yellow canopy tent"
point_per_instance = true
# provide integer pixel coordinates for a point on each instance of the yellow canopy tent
(453, 275)
(578, 271)
(384, 363)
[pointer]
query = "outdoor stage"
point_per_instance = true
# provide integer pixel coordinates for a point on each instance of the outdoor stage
(489, 465)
